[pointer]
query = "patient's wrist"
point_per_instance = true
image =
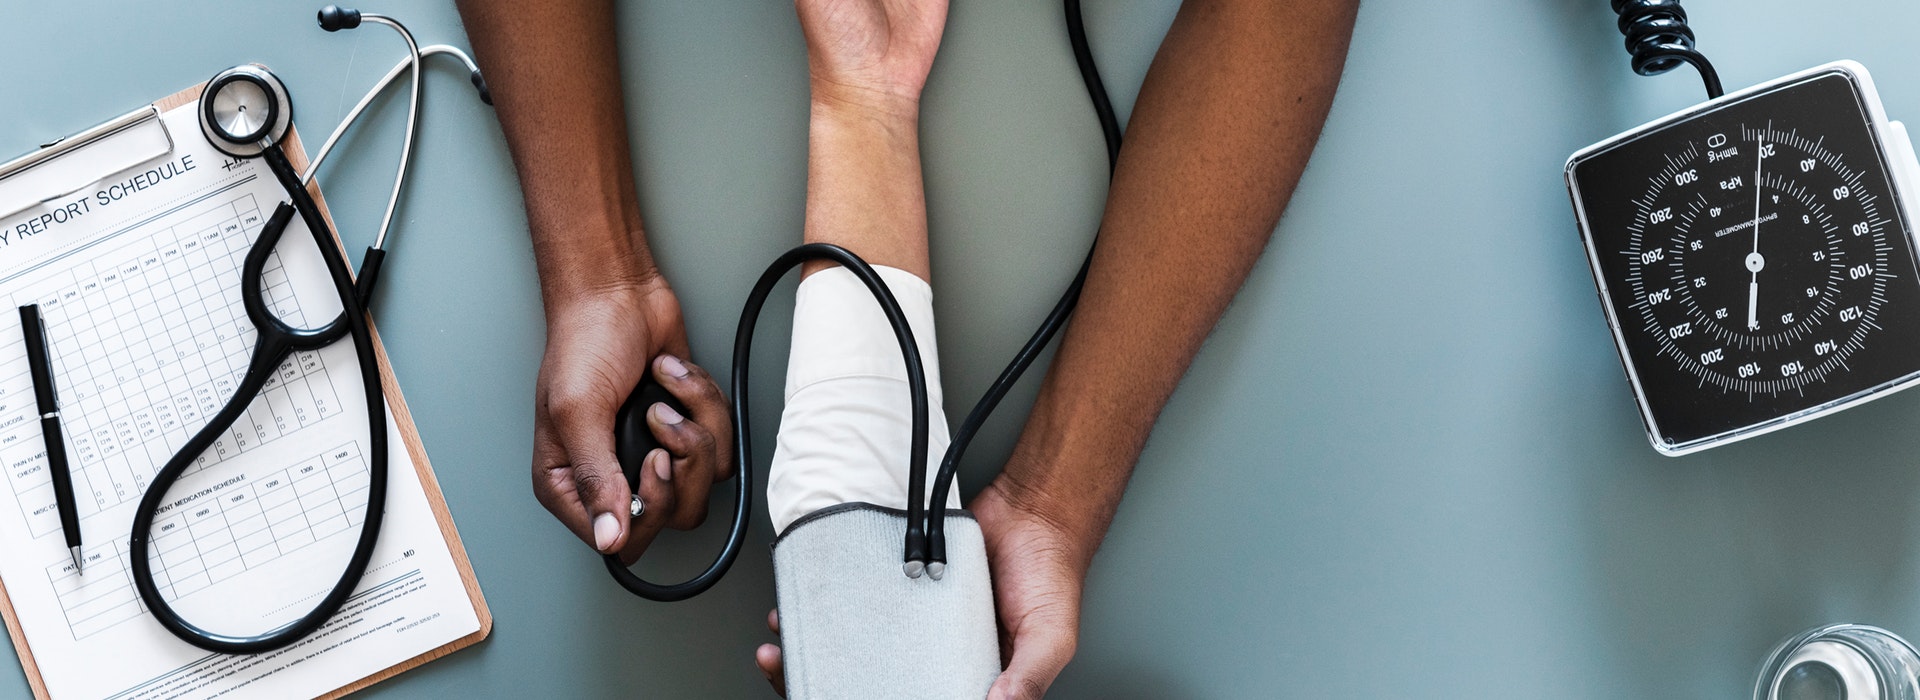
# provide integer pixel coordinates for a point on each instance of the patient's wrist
(879, 137)
(842, 101)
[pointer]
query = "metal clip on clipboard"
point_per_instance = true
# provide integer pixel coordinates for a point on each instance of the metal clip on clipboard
(69, 165)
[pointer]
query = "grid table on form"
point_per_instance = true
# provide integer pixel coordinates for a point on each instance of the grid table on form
(206, 540)
(141, 359)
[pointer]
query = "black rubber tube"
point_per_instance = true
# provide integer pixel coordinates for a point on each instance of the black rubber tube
(1056, 319)
(926, 521)
(276, 342)
(743, 432)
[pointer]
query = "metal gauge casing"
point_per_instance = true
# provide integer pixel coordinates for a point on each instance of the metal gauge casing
(1755, 258)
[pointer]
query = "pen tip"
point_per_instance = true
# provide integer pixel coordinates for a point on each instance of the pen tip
(77, 568)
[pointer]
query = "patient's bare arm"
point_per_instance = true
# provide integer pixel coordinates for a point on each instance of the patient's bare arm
(867, 63)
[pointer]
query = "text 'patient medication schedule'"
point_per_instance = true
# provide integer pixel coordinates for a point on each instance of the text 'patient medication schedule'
(137, 277)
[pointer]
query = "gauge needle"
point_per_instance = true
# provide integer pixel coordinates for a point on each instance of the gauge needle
(1755, 263)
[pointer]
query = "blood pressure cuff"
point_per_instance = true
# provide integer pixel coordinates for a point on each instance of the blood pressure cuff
(852, 625)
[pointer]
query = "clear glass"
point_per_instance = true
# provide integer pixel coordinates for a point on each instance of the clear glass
(1840, 662)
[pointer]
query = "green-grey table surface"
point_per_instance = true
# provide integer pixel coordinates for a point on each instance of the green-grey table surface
(1407, 463)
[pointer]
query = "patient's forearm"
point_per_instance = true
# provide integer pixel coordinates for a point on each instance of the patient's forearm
(1226, 120)
(863, 181)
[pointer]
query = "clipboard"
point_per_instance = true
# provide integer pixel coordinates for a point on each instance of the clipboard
(143, 136)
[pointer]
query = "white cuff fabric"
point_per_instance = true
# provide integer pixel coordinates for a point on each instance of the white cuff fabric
(847, 428)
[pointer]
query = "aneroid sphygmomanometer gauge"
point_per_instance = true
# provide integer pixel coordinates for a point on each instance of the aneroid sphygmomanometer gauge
(1755, 258)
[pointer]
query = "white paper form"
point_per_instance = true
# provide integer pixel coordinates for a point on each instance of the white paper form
(138, 280)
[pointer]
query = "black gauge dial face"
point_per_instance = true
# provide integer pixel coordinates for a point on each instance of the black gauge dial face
(1754, 259)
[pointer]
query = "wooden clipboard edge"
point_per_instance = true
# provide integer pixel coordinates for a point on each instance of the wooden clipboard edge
(410, 435)
(19, 636)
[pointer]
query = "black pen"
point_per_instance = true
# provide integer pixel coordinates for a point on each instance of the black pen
(43, 394)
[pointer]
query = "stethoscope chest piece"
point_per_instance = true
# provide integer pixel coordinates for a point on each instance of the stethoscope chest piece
(1840, 662)
(245, 110)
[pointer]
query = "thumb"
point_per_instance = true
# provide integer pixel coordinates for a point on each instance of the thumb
(1041, 649)
(586, 433)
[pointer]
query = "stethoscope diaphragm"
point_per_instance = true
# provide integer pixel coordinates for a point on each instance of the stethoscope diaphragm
(246, 109)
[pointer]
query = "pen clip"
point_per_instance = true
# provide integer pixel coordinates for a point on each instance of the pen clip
(46, 350)
(33, 330)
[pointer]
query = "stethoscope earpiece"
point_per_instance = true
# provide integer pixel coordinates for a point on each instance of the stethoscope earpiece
(245, 110)
(334, 18)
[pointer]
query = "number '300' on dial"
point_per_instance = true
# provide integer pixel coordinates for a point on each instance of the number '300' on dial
(1758, 263)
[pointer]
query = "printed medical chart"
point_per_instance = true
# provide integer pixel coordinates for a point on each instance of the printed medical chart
(138, 279)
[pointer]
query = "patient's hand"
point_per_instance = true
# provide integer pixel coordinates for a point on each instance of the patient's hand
(871, 52)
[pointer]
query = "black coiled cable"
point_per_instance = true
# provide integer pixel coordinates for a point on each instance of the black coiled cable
(1660, 40)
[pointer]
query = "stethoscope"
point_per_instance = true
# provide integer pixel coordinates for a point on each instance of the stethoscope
(245, 112)
(924, 551)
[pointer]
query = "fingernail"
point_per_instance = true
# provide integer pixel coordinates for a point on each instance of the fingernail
(666, 414)
(661, 465)
(606, 529)
(673, 367)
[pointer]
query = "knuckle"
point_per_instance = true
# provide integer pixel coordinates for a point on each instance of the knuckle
(695, 371)
(570, 401)
(543, 493)
(700, 385)
(661, 501)
(1031, 687)
(702, 440)
(1069, 645)
(705, 389)
(591, 482)
(565, 407)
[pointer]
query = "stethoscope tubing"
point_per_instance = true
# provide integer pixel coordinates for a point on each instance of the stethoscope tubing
(380, 86)
(413, 123)
(275, 341)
